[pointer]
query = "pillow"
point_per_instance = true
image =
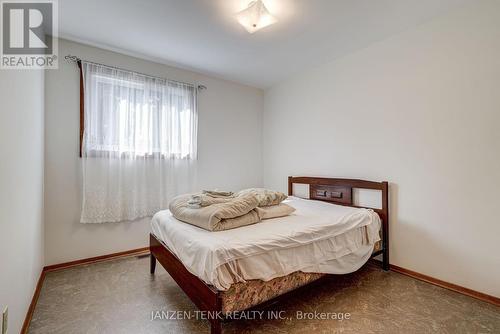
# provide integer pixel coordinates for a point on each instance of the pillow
(274, 211)
(265, 197)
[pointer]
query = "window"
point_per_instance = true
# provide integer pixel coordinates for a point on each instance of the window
(127, 114)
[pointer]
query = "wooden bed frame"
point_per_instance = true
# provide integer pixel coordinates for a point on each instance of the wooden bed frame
(338, 191)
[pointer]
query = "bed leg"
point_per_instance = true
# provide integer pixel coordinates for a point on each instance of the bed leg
(215, 326)
(152, 263)
(385, 260)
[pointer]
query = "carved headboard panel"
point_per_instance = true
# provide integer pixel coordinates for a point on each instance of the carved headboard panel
(335, 194)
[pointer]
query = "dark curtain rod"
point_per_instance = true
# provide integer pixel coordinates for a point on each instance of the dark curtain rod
(78, 60)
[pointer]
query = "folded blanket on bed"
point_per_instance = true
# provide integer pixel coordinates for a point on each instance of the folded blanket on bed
(234, 212)
(224, 210)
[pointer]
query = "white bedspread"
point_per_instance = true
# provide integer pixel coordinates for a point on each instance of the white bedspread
(317, 237)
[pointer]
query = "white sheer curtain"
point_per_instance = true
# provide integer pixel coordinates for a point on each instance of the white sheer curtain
(139, 143)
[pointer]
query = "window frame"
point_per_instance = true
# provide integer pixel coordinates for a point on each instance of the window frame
(82, 119)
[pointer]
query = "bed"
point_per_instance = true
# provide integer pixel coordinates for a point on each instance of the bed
(248, 267)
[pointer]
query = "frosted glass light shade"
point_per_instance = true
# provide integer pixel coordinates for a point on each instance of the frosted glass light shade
(255, 16)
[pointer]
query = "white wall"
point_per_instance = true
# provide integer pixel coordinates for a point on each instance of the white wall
(21, 190)
(421, 110)
(230, 126)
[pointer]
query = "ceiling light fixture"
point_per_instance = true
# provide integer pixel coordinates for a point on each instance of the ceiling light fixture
(255, 16)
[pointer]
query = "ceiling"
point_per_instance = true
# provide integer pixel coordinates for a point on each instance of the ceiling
(203, 35)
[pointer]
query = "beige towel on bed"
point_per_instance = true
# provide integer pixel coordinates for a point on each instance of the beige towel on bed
(235, 212)
(204, 199)
(218, 193)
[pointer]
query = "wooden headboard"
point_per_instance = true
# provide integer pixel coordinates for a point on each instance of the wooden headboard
(340, 191)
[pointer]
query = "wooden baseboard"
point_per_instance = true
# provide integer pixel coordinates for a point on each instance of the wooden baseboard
(60, 266)
(34, 300)
(133, 252)
(450, 286)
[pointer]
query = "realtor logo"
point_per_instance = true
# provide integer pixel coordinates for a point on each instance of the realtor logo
(29, 34)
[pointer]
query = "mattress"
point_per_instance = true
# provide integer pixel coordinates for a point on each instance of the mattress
(242, 296)
(318, 237)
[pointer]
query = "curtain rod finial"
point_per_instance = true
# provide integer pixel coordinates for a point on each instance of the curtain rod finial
(72, 58)
(202, 87)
